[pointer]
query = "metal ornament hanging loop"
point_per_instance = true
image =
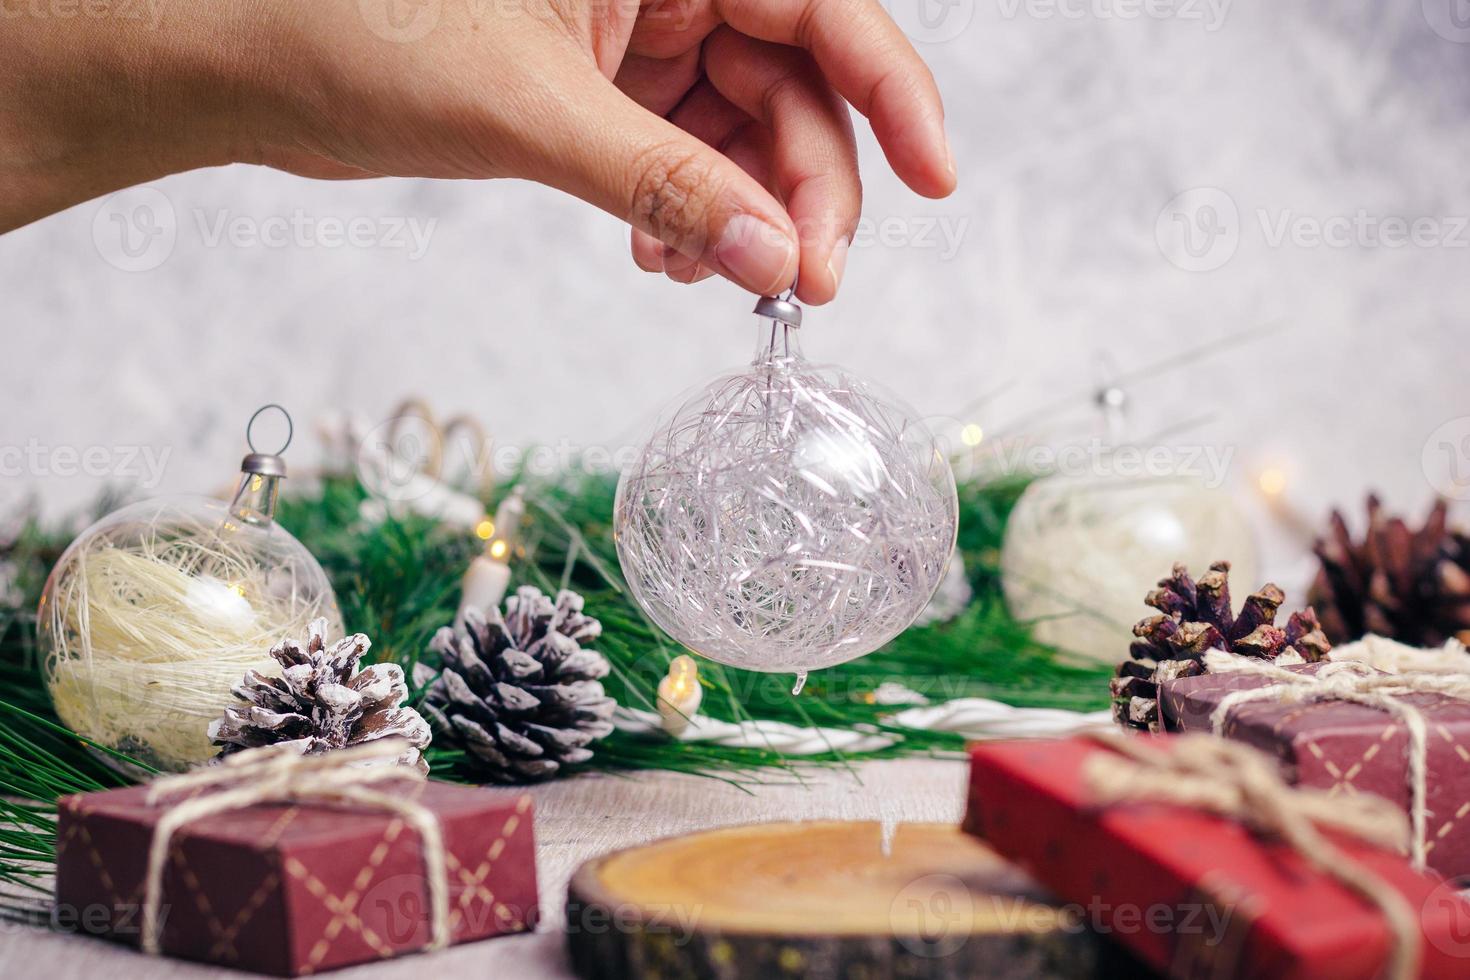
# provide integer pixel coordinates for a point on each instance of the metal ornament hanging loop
(783, 308)
(267, 464)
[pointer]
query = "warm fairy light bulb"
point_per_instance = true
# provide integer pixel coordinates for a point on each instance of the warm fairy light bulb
(1272, 481)
(679, 695)
(221, 602)
(488, 576)
(683, 678)
(507, 523)
(972, 435)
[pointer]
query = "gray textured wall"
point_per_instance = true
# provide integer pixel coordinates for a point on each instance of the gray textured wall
(1076, 123)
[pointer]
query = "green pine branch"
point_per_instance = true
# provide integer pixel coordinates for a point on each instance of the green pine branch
(398, 583)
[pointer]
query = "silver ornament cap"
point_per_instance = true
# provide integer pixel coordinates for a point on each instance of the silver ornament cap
(779, 308)
(261, 475)
(267, 464)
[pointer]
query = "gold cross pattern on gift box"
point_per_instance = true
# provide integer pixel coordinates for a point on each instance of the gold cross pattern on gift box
(344, 908)
(1344, 776)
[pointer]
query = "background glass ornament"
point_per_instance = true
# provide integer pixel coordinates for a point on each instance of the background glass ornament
(1081, 551)
(786, 517)
(154, 612)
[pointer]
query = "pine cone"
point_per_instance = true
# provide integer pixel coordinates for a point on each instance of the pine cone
(1196, 617)
(1410, 586)
(322, 702)
(520, 693)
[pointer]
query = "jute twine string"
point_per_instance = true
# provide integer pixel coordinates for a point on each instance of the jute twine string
(279, 774)
(1229, 780)
(1358, 683)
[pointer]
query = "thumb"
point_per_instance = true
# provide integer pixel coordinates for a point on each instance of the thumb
(606, 149)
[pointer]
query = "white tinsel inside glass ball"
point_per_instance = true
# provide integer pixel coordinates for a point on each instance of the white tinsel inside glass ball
(157, 610)
(786, 518)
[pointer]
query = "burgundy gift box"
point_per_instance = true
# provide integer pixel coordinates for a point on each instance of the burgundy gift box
(293, 890)
(1196, 895)
(1346, 748)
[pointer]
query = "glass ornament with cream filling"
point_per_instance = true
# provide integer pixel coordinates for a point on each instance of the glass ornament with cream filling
(786, 517)
(1080, 552)
(154, 612)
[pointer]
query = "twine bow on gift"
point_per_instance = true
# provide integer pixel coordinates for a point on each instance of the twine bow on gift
(1359, 683)
(280, 774)
(1234, 781)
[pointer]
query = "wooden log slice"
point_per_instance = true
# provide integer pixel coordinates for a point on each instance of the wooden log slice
(822, 899)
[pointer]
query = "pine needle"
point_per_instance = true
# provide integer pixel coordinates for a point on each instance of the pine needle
(399, 582)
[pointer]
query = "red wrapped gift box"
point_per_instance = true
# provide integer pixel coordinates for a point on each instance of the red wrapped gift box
(1193, 894)
(1347, 748)
(298, 889)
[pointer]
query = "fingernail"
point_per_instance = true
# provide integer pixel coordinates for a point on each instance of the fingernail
(685, 275)
(756, 253)
(943, 139)
(677, 264)
(647, 254)
(837, 261)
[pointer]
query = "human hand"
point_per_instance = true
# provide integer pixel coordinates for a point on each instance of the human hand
(717, 128)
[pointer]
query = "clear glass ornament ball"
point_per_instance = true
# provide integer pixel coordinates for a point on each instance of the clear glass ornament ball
(154, 612)
(1082, 551)
(788, 517)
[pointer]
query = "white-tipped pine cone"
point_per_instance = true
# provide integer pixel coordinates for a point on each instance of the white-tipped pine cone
(321, 702)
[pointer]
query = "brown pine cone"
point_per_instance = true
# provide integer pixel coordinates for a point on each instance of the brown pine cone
(1194, 618)
(519, 692)
(1412, 586)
